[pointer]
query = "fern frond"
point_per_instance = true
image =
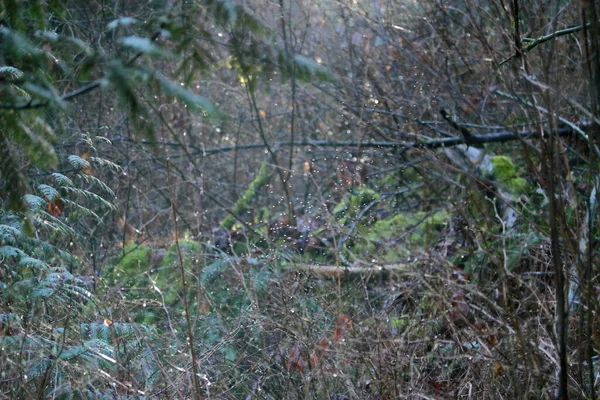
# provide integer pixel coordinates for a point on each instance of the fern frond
(143, 45)
(32, 262)
(49, 192)
(52, 223)
(10, 74)
(123, 21)
(7, 252)
(62, 180)
(95, 330)
(72, 352)
(306, 68)
(33, 202)
(90, 179)
(99, 347)
(191, 99)
(18, 341)
(8, 234)
(78, 291)
(78, 162)
(43, 292)
(84, 210)
(91, 196)
(106, 163)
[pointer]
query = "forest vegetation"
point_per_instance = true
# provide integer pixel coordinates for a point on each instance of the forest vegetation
(298, 199)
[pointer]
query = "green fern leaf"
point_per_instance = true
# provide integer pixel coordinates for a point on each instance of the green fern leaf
(78, 291)
(84, 210)
(42, 293)
(32, 262)
(91, 196)
(10, 74)
(49, 192)
(78, 162)
(7, 252)
(54, 224)
(62, 179)
(8, 234)
(45, 92)
(93, 180)
(72, 352)
(106, 163)
(33, 202)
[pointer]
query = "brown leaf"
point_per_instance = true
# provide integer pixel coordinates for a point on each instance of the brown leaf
(343, 325)
(295, 359)
(497, 370)
(205, 307)
(56, 207)
(323, 344)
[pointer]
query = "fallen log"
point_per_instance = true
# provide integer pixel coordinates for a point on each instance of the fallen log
(382, 271)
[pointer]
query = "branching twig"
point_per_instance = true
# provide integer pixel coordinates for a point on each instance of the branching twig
(465, 132)
(533, 43)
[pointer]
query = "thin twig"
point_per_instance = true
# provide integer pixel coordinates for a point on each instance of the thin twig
(533, 43)
(188, 320)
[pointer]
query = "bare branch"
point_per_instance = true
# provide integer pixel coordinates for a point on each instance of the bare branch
(533, 43)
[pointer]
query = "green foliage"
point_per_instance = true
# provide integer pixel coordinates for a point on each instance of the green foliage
(353, 203)
(506, 172)
(191, 252)
(243, 203)
(39, 279)
(401, 233)
(168, 276)
(190, 99)
(135, 260)
(305, 68)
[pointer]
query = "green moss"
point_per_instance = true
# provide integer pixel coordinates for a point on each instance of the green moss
(354, 201)
(136, 259)
(190, 250)
(130, 273)
(504, 168)
(517, 185)
(168, 276)
(392, 227)
(506, 172)
(243, 203)
(395, 236)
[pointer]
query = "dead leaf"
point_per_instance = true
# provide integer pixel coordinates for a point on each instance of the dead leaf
(295, 360)
(343, 325)
(497, 370)
(56, 207)
(205, 307)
